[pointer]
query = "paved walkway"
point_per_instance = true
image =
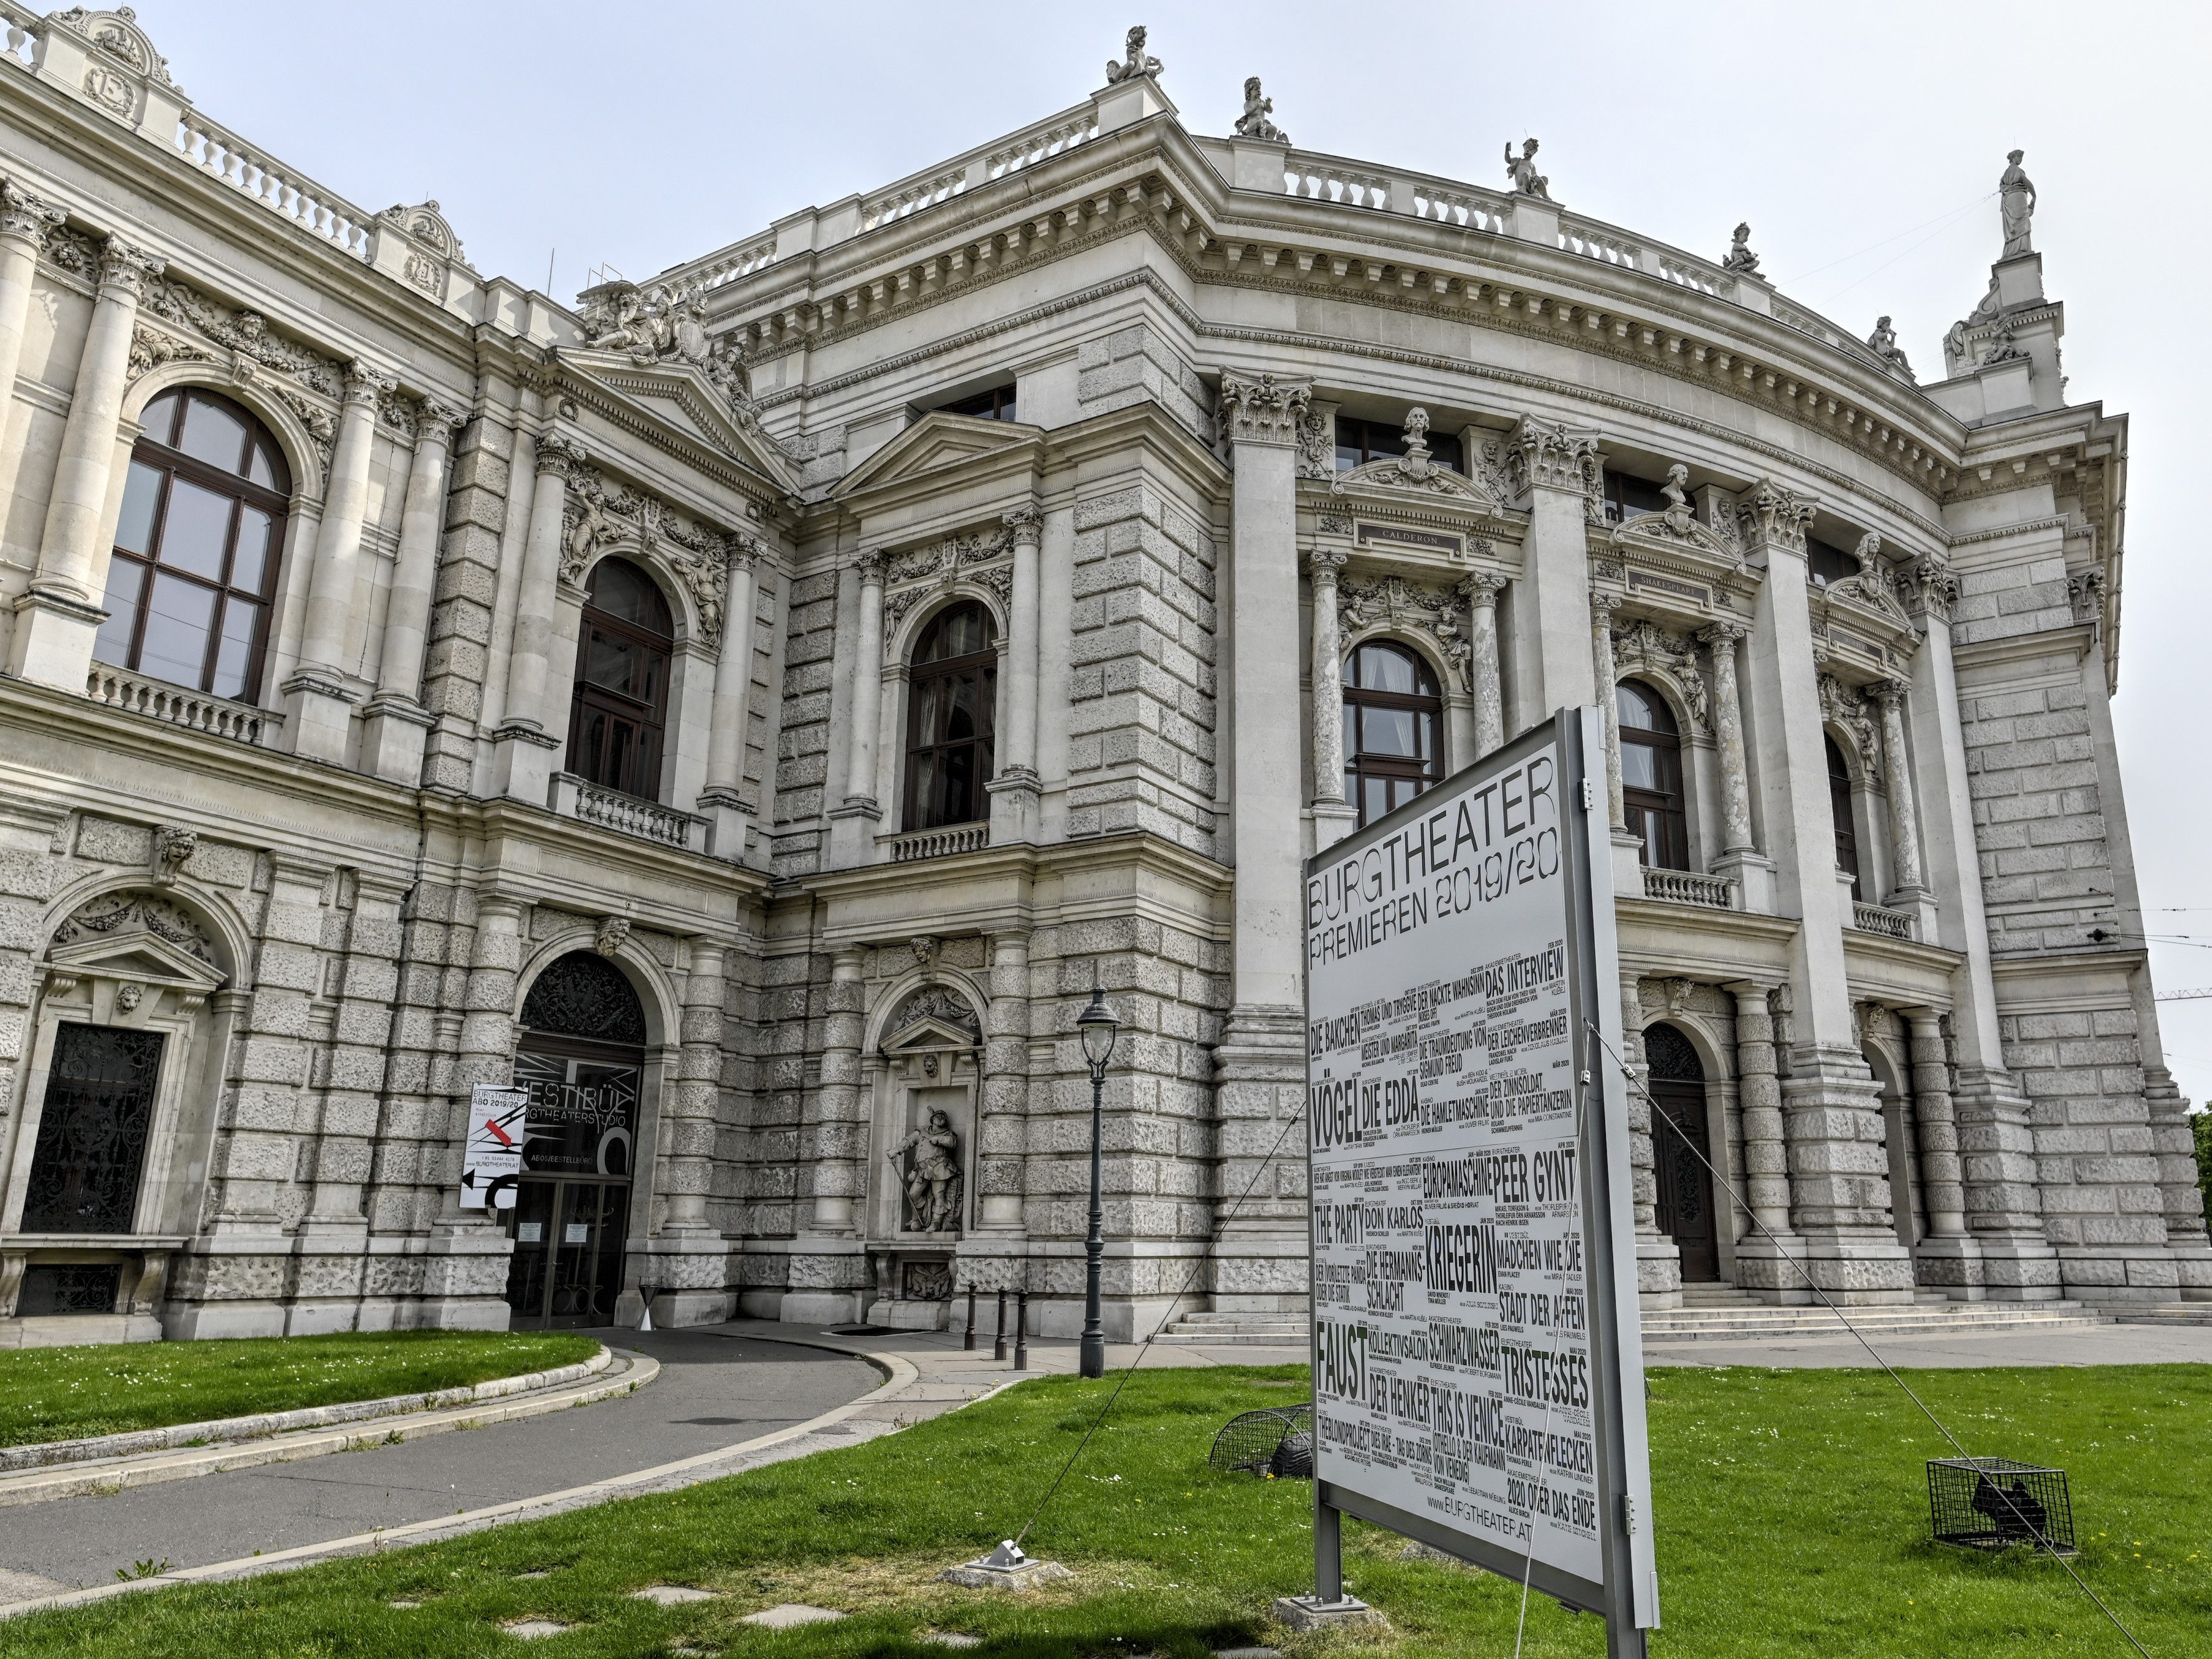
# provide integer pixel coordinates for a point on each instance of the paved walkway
(714, 1390)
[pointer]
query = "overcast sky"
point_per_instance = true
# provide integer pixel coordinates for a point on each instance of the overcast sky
(1863, 146)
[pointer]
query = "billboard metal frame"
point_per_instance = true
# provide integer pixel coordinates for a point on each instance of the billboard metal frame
(1628, 1595)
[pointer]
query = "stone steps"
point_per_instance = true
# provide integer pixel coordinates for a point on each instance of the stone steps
(1918, 1318)
(2162, 1313)
(1273, 1330)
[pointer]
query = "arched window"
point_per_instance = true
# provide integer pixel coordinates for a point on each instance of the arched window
(1391, 750)
(1651, 776)
(196, 548)
(1839, 808)
(620, 714)
(953, 690)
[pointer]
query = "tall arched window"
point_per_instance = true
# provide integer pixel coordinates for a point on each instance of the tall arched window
(620, 714)
(1839, 809)
(196, 548)
(952, 690)
(1681, 1152)
(1391, 748)
(1651, 776)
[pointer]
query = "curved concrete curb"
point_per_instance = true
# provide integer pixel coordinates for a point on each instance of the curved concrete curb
(259, 1425)
(621, 1373)
(898, 1374)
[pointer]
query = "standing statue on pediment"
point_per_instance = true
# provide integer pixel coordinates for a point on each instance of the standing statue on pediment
(2018, 192)
(1135, 63)
(1254, 123)
(1522, 169)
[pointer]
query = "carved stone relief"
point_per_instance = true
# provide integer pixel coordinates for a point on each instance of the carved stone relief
(1848, 707)
(113, 913)
(1398, 603)
(1644, 647)
(600, 514)
(917, 573)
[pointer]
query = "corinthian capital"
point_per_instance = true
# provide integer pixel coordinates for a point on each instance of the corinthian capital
(124, 270)
(1324, 562)
(1545, 455)
(436, 419)
(365, 384)
(1720, 635)
(1481, 589)
(1265, 411)
(870, 566)
(1773, 518)
(560, 455)
(745, 551)
(27, 217)
(1027, 524)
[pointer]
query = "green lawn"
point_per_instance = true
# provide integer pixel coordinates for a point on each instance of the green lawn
(61, 1394)
(1792, 1513)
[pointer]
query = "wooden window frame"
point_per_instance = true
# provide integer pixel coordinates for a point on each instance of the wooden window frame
(1670, 808)
(648, 714)
(917, 814)
(1843, 811)
(1425, 772)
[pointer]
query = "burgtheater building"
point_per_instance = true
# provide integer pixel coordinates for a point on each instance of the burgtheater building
(751, 706)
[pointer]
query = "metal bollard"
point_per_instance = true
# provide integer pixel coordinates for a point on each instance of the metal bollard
(998, 1347)
(968, 1342)
(1021, 1330)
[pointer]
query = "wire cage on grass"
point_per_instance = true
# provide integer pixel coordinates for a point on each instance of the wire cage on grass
(1276, 1440)
(1993, 1503)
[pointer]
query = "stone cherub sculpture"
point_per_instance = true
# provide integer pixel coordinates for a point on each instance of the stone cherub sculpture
(1740, 256)
(1883, 343)
(1134, 64)
(1522, 169)
(2017, 206)
(933, 1181)
(1254, 122)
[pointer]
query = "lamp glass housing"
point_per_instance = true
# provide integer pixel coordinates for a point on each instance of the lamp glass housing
(1099, 1029)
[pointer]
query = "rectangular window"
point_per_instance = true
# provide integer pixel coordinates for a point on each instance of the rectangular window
(1358, 442)
(1630, 497)
(996, 405)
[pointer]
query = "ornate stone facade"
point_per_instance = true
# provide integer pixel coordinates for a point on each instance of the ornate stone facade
(370, 870)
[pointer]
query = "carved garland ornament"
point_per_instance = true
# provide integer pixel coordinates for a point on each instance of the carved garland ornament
(115, 913)
(597, 514)
(923, 570)
(1395, 602)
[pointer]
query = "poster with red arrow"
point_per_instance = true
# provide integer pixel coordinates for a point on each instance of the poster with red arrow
(492, 1155)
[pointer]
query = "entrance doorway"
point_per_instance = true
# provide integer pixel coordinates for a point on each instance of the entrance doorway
(581, 1058)
(1682, 1153)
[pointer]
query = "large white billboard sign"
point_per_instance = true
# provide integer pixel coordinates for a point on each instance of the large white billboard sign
(1468, 1379)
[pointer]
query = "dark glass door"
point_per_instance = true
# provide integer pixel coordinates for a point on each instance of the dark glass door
(91, 1149)
(567, 1262)
(1686, 1192)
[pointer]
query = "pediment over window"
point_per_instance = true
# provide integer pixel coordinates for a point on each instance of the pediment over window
(1416, 477)
(139, 956)
(938, 443)
(1676, 531)
(678, 396)
(932, 1016)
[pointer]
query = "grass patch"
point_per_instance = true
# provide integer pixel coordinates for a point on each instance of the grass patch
(1792, 1513)
(62, 1393)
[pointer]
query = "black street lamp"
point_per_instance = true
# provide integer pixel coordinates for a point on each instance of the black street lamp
(1099, 1029)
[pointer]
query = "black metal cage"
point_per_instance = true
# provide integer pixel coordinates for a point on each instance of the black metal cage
(1277, 1440)
(1993, 1503)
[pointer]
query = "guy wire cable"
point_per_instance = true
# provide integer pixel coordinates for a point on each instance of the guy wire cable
(2037, 1533)
(1145, 1347)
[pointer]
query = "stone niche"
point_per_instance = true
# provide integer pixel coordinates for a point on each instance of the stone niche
(923, 1080)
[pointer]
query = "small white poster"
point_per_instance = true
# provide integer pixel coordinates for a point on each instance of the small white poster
(492, 1155)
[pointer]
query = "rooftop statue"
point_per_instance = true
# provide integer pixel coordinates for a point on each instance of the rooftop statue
(2018, 206)
(1527, 181)
(1254, 122)
(1740, 256)
(1883, 344)
(656, 325)
(1136, 64)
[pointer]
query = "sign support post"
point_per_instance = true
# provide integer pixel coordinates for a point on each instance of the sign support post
(1477, 1351)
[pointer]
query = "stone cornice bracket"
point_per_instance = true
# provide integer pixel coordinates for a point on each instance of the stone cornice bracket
(1773, 520)
(26, 217)
(561, 455)
(1266, 410)
(1545, 455)
(365, 384)
(1026, 523)
(126, 269)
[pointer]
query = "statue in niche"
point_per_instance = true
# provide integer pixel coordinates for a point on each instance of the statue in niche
(1740, 256)
(2018, 206)
(1254, 122)
(1136, 64)
(931, 1180)
(1522, 169)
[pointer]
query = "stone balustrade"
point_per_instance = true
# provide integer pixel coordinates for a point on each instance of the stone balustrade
(1688, 887)
(325, 213)
(174, 705)
(939, 843)
(24, 27)
(628, 815)
(1881, 920)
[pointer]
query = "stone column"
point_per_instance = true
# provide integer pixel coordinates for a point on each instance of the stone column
(25, 224)
(1601, 607)
(853, 823)
(59, 615)
(833, 1140)
(1942, 1189)
(1911, 888)
(523, 745)
(1003, 1128)
(1016, 793)
(1839, 1175)
(1333, 816)
(395, 723)
(1739, 858)
(322, 714)
(723, 798)
(1761, 1251)
(1259, 1064)
(1480, 591)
